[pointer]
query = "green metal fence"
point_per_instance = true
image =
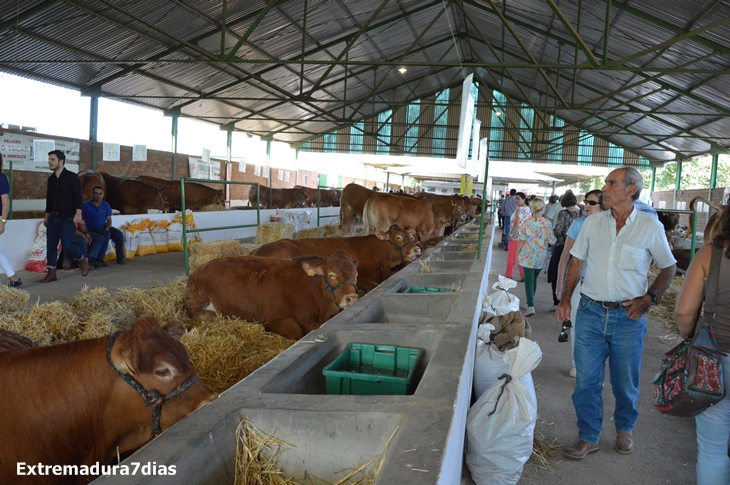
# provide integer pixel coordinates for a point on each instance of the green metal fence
(185, 229)
(319, 202)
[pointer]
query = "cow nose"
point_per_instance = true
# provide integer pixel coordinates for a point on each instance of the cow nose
(350, 299)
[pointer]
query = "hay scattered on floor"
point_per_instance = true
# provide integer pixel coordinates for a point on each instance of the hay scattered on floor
(47, 324)
(202, 252)
(12, 299)
(470, 247)
(543, 450)
(256, 457)
(248, 248)
(425, 268)
(162, 302)
(310, 232)
(212, 208)
(273, 231)
(225, 350)
(100, 313)
(663, 312)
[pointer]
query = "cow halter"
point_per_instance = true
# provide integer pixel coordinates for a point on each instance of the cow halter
(400, 250)
(332, 289)
(151, 397)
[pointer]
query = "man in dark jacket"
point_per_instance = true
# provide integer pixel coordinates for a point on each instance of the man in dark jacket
(63, 211)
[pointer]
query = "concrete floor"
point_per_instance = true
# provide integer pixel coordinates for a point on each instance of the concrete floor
(140, 272)
(665, 447)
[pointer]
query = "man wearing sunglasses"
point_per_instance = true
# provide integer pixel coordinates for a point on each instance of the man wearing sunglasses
(616, 246)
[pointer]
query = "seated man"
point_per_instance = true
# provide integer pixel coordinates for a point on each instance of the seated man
(84, 241)
(98, 218)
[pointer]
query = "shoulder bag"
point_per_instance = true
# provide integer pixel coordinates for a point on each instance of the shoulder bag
(691, 378)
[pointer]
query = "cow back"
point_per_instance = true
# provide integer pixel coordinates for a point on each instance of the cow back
(352, 202)
(171, 187)
(134, 197)
(10, 341)
(384, 210)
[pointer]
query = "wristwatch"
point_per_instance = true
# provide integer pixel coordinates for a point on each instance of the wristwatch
(654, 298)
(3, 220)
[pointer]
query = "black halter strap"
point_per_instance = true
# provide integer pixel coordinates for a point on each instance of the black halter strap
(332, 289)
(151, 397)
(400, 250)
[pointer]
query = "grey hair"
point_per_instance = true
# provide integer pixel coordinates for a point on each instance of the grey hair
(633, 176)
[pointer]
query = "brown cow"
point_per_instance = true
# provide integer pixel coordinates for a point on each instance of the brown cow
(711, 229)
(132, 196)
(290, 297)
(277, 198)
(377, 255)
(75, 404)
(89, 179)
(327, 197)
(383, 210)
(10, 341)
(352, 202)
(196, 195)
(444, 207)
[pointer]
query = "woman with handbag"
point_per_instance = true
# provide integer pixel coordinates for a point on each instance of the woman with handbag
(713, 424)
(564, 220)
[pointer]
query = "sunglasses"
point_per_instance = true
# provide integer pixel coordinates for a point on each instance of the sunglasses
(592, 202)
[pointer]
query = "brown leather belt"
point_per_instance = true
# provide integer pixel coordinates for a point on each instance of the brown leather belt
(606, 304)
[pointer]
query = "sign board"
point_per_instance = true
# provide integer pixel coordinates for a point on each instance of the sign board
(200, 169)
(465, 122)
(111, 152)
(139, 153)
(475, 144)
(20, 150)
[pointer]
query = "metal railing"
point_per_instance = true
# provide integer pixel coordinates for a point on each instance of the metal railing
(185, 229)
(319, 189)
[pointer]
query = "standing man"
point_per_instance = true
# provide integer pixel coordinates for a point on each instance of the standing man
(98, 217)
(617, 247)
(509, 206)
(63, 211)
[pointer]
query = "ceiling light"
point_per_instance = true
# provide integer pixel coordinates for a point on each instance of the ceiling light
(402, 70)
(498, 113)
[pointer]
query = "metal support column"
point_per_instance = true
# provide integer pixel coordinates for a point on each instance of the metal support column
(713, 174)
(677, 183)
(93, 131)
(553, 189)
(387, 182)
(653, 179)
(173, 148)
(268, 168)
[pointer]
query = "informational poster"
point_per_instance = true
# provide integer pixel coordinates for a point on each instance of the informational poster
(215, 170)
(287, 176)
(111, 152)
(257, 170)
(200, 169)
(41, 149)
(281, 175)
(465, 122)
(206, 155)
(19, 149)
(139, 153)
(242, 166)
(473, 169)
(266, 172)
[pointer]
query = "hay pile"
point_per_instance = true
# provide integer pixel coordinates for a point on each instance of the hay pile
(202, 252)
(663, 312)
(212, 208)
(12, 299)
(225, 350)
(310, 232)
(100, 313)
(273, 231)
(47, 324)
(248, 248)
(334, 230)
(162, 302)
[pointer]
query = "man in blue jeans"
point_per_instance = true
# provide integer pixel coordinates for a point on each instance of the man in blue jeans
(98, 218)
(63, 211)
(617, 247)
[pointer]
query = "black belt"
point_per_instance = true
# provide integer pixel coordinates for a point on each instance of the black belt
(606, 304)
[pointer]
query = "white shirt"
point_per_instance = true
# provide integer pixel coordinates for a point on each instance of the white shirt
(617, 265)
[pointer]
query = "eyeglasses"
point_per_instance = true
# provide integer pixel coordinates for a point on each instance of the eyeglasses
(592, 202)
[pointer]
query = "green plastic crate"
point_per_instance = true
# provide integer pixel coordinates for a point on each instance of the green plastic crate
(369, 369)
(427, 289)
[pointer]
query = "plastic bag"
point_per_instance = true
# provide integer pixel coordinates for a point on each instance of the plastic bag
(111, 252)
(174, 237)
(159, 236)
(145, 245)
(489, 362)
(131, 238)
(38, 252)
(501, 301)
(501, 424)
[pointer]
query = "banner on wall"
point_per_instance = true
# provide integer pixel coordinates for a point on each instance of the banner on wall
(20, 150)
(200, 169)
(111, 152)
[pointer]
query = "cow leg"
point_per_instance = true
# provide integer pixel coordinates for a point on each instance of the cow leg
(286, 327)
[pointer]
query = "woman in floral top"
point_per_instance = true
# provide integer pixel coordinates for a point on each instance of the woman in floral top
(564, 220)
(534, 235)
(518, 217)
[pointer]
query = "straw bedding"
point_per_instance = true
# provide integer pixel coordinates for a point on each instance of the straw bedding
(12, 299)
(663, 312)
(273, 231)
(202, 252)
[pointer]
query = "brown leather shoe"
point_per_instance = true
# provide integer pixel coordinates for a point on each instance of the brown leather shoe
(624, 442)
(579, 450)
(84, 266)
(50, 276)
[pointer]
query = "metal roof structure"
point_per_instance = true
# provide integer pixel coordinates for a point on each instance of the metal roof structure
(648, 75)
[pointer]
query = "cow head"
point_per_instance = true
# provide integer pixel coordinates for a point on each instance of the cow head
(300, 199)
(403, 241)
(438, 228)
(220, 197)
(339, 272)
(154, 358)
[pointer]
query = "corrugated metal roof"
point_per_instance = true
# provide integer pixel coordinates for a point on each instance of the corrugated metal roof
(168, 55)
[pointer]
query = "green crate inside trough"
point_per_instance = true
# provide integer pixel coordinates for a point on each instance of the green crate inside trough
(427, 289)
(368, 369)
